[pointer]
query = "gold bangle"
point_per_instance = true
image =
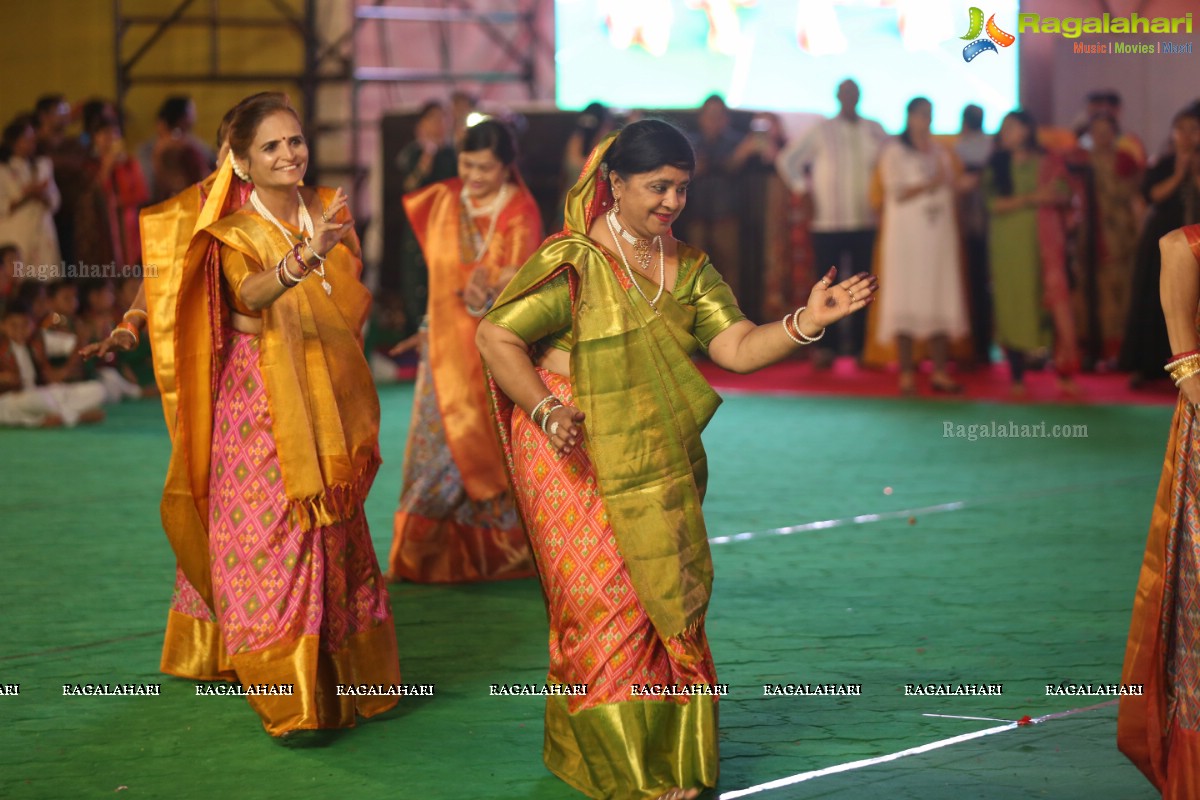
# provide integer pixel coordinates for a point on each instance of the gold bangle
(1182, 362)
(128, 328)
(135, 312)
(1182, 374)
(1191, 363)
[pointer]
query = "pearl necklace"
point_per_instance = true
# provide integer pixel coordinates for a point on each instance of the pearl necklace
(306, 227)
(493, 209)
(614, 227)
(641, 247)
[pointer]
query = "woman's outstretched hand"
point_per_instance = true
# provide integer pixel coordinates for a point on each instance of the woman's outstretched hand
(417, 340)
(564, 426)
(116, 341)
(829, 302)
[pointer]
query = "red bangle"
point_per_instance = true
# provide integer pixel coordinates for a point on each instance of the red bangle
(1178, 356)
(299, 260)
(128, 328)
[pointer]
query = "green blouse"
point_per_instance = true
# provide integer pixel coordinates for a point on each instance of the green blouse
(543, 317)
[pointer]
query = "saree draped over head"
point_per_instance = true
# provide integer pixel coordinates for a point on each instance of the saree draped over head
(1160, 730)
(617, 529)
(275, 447)
(456, 520)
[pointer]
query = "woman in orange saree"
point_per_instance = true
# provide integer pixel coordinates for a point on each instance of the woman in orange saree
(1160, 730)
(276, 438)
(456, 520)
(600, 409)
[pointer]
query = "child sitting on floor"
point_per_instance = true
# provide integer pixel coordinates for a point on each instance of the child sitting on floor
(26, 400)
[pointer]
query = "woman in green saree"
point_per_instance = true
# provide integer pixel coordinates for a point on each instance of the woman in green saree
(600, 409)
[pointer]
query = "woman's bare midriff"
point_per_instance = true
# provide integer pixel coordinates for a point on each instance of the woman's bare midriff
(244, 324)
(556, 361)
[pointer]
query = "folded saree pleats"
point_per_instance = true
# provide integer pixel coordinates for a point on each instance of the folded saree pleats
(608, 743)
(302, 607)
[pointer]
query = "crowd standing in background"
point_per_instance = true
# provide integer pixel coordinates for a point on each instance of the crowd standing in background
(1171, 188)
(1050, 243)
(71, 243)
(833, 162)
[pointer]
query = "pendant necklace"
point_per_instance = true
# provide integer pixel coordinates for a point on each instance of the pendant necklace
(306, 228)
(619, 233)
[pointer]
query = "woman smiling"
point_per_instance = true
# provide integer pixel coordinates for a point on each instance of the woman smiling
(456, 521)
(276, 435)
(600, 410)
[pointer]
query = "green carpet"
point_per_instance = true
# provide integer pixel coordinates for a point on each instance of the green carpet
(1028, 581)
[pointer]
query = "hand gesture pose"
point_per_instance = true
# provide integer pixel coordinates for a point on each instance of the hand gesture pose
(120, 340)
(327, 231)
(829, 302)
(563, 425)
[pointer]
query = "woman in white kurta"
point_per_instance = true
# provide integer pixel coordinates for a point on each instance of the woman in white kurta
(28, 196)
(919, 250)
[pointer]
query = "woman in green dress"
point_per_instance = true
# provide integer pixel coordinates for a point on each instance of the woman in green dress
(1027, 193)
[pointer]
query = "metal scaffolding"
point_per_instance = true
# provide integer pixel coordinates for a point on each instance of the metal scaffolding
(513, 33)
(337, 61)
(322, 61)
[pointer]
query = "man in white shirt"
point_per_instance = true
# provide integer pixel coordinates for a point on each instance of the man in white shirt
(833, 162)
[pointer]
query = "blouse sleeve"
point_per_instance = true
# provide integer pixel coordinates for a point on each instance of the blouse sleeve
(236, 268)
(542, 312)
(716, 307)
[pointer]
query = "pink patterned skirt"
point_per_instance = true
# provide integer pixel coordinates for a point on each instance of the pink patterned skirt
(305, 608)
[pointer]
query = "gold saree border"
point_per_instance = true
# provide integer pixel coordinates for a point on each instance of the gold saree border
(368, 657)
(633, 749)
(193, 648)
(426, 550)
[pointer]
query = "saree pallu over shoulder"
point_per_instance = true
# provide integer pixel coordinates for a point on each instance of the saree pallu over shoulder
(323, 403)
(646, 405)
(166, 230)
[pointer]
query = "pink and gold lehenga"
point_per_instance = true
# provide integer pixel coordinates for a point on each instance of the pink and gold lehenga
(274, 449)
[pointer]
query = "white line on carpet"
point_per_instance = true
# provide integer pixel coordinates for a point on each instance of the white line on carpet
(957, 505)
(837, 523)
(912, 751)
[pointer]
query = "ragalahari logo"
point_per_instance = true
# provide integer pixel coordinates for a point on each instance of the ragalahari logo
(995, 36)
